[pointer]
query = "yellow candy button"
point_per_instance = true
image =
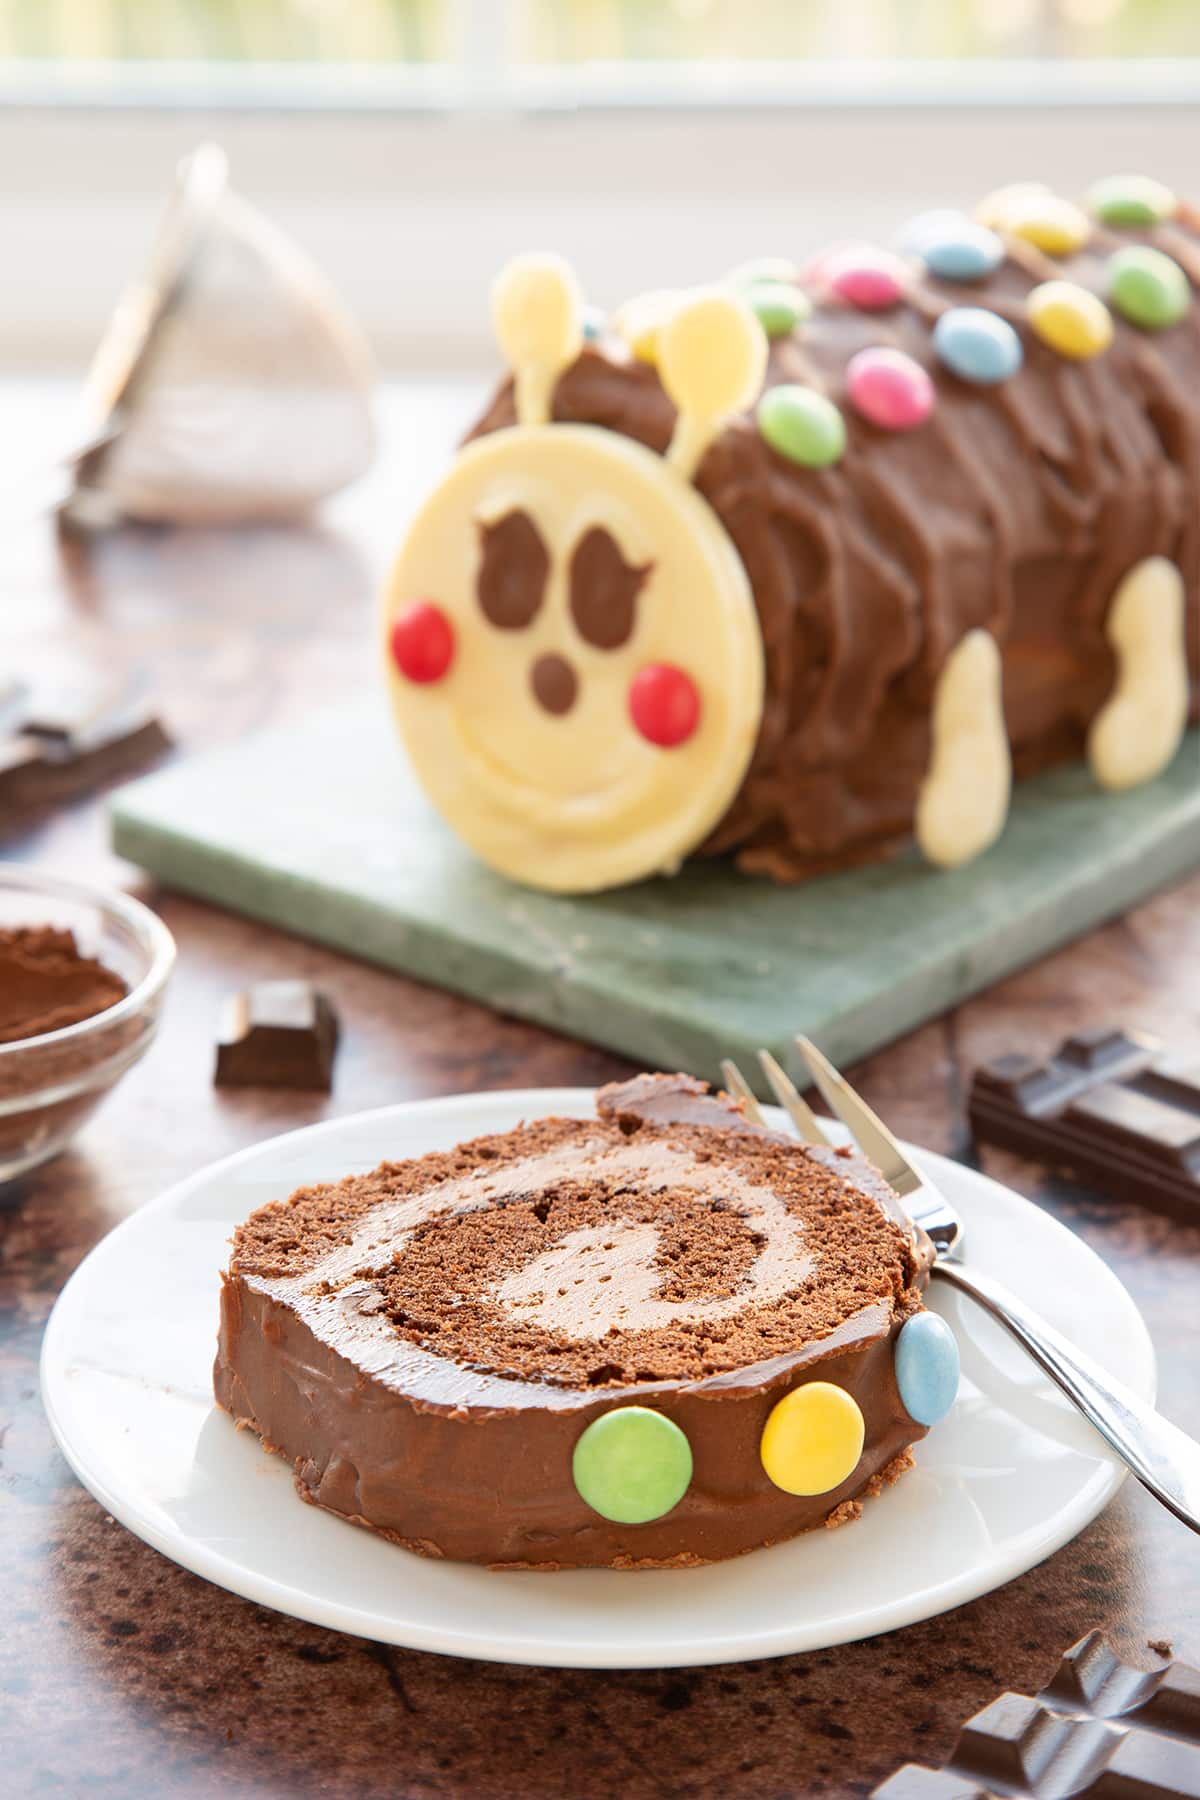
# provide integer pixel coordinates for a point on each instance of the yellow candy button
(813, 1439)
(1056, 226)
(998, 207)
(641, 320)
(1028, 210)
(1070, 319)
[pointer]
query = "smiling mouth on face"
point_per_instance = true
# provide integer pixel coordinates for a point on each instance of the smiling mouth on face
(538, 787)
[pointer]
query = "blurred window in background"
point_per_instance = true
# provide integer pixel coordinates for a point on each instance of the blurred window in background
(410, 146)
(568, 31)
(487, 49)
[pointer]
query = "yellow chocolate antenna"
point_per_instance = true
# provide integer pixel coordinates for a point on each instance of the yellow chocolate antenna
(537, 312)
(712, 355)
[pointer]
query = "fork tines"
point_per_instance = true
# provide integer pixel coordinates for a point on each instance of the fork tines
(797, 1109)
(868, 1131)
(866, 1128)
(737, 1084)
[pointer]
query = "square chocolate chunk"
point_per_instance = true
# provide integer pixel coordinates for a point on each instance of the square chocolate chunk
(277, 1034)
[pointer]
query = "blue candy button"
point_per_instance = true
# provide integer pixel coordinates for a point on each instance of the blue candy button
(927, 227)
(977, 345)
(926, 1367)
(953, 246)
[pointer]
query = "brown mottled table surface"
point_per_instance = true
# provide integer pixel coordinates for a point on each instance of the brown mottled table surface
(121, 1674)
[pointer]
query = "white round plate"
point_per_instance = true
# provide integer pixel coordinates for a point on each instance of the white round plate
(1010, 1476)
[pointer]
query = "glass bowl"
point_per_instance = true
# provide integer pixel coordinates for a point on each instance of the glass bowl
(49, 1085)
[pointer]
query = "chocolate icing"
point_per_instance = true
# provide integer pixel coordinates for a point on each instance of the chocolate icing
(396, 1429)
(514, 566)
(604, 590)
(1017, 507)
(554, 684)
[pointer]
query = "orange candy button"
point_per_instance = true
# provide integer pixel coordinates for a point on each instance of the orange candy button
(813, 1439)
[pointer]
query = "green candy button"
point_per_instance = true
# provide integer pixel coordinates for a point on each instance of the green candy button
(631, 1465)
(802, 425)
(778, 306)
(1132, 200)
(1148, 288)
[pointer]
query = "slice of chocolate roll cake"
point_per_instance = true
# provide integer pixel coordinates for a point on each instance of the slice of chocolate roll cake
(659, 1336)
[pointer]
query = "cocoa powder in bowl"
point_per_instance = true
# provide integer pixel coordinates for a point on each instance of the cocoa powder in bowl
(46, 984)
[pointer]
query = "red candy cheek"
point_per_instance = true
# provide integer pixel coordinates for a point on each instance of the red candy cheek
(422, 642)
(664, 704)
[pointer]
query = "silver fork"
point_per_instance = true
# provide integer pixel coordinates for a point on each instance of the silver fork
(1163, 1458)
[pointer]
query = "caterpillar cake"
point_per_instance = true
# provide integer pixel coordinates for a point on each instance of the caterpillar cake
(660, 1336)
(804, 565)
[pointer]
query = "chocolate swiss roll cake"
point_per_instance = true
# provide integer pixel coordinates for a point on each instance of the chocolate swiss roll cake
(817, 560)
(660, 1336)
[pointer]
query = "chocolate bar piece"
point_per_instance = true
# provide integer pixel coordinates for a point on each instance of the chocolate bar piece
(1100, 1730)
(73, 714)
(1107, 1108)
(14, 696)
(277, 1034)
(56, 747)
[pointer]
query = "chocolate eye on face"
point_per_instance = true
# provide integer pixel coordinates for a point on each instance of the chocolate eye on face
(604, 590)
(513, 570)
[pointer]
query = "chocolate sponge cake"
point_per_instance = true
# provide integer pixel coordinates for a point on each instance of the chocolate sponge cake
(659, 1336)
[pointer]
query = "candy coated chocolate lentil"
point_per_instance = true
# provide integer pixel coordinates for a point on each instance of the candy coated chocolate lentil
(802, 425)
(812, 1439)
(977, 345)
(1131, 200)
(422, 642)
(664, 704)
(953, 247)
(779, 306)
(871, 280)
(889, 388)
(927, 1367)
(1070, 319)
(1147, 287)
(632, 1465)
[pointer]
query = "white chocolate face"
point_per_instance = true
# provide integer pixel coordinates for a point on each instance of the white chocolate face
(576, 798)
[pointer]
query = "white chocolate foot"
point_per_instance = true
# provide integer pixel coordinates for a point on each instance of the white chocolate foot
(1137, 730)
(963, 801)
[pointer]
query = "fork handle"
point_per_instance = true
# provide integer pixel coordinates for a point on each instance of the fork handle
(1163, 1458)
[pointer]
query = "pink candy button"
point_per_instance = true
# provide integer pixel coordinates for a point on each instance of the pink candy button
(815, 273)
(889, 389)
(870, 279)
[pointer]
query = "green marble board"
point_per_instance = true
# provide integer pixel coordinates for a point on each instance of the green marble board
(319, 828)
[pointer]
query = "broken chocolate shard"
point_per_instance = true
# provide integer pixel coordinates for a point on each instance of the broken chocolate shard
(52, 752)
(1108, 1108)
(14, 697)
(277, 1034)
(76, 713)
(1099, 1728)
